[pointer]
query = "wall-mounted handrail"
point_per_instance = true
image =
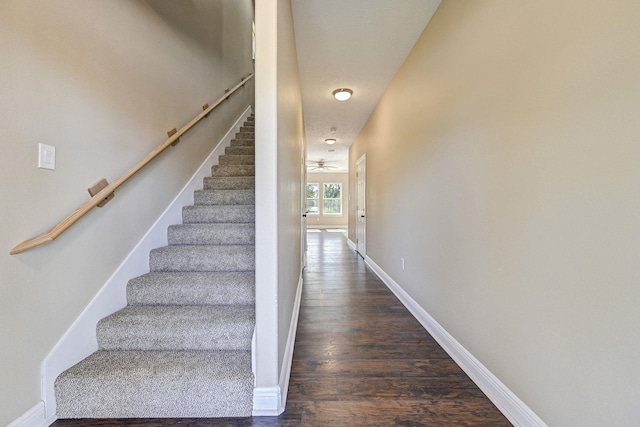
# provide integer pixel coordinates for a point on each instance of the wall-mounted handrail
(63, 225)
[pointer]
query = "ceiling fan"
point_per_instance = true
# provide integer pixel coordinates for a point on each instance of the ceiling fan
(320, 165)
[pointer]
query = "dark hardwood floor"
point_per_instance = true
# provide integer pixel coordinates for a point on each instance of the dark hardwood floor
(360, 358)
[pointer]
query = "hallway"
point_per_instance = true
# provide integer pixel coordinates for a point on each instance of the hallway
(360, 358)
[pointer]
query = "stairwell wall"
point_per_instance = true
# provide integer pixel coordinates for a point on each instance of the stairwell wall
(102, 82)
(502, 165)
(280, 143)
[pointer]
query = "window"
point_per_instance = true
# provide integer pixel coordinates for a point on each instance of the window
(332, 195)
(313, 201)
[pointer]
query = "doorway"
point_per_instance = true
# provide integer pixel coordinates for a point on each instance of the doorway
(361, 216)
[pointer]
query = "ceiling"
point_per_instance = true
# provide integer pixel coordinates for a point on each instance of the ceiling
(357, 44)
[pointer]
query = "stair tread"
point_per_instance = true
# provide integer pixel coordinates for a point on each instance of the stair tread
(237, 159)
(229, 183)
(125, 384)
(185, 288)
(200, 327)
(205, 213)
(203, 258)
(240, 150)
(226, 198)
(212, 234)
(233, 170)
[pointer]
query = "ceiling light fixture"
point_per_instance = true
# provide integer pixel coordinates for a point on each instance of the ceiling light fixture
(342, 94)
(330, 141)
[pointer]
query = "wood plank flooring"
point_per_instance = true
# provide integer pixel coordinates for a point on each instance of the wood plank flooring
(360, 358)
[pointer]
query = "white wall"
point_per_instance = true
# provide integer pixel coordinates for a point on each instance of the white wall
(502, 164)
(279, 148)
(332, 221)
(291, 140)
(103, 82)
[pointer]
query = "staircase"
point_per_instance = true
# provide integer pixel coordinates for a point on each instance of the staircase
(182, 345)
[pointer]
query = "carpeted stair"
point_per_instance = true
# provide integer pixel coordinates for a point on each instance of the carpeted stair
(182, 345)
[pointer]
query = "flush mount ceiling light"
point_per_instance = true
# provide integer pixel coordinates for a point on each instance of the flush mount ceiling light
(330, 141)
(342, 94)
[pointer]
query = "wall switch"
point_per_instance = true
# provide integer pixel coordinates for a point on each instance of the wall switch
(46, 156)
(402, 261)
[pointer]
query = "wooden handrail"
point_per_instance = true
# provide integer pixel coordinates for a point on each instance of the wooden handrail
(63, 225)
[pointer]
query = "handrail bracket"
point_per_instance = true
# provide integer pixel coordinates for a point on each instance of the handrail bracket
(170, 134)
(96, 188)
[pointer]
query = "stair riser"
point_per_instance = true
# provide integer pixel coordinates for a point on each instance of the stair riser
(211, 234)
(224, 197)
(229, 183)
(247, 129)
(204, 258)
(241, 151)
(157, 385)
(233, 170)
(242, 143)
(191, 294)
(237, 159)
(142, 333)
(218, 214)
(245, 135)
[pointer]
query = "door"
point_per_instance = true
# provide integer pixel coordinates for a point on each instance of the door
(361, 220)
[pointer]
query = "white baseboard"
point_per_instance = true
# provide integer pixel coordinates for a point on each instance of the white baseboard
(514, 409)
(34, 417)
(285, 374)
(351, 244)
(271, 401)
(79, 341)
(267, 401)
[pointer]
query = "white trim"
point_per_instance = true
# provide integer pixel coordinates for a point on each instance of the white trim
(271, 401)
(266, 401)
(361, 243)
(351, 244)
(79, 341)
(34, 417)
(324, 227)
(285, 373)
(267, 230)
(516, 411)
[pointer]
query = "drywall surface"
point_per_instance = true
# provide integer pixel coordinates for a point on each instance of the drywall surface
(290, 148)
(102, 82)
(502, 165)
(330, 220)
(279, 148)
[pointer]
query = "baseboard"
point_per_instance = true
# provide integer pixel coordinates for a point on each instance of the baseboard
(34, 417)
(271, 401)
(285, 374)
(79, 341)
(514, 409)
(351, 244)
(267, 401)
(324, 227)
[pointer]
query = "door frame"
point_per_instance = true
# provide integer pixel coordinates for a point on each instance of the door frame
(303, 207)
(361, 206)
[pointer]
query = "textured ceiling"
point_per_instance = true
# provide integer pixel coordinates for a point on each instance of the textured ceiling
(358, 44)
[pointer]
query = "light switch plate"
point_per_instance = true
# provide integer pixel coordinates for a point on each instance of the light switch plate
(46, 156)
